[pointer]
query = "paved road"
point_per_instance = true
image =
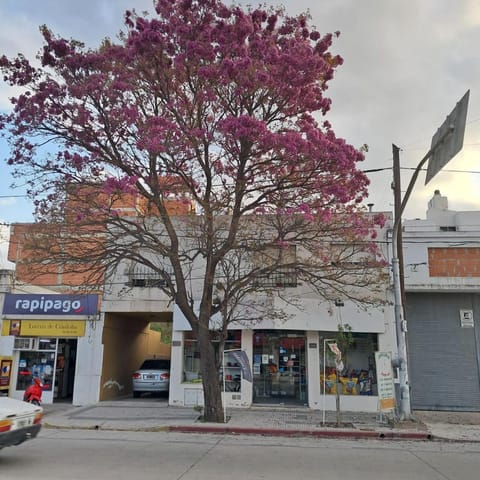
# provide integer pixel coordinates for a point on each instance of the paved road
(100, 455)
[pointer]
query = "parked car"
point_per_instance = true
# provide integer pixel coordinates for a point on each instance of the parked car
(19, 421)
(153, 376)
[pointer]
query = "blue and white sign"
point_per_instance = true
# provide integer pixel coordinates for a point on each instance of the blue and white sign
(57, 305)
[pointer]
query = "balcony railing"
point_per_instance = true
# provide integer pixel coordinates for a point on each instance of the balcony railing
(280, 279)
(144, 277)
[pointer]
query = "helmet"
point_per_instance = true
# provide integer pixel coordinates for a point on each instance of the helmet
(38, 382)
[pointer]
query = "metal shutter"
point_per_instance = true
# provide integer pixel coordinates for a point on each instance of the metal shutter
(443, 356)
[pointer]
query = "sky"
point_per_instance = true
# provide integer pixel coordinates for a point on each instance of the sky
(406, 65)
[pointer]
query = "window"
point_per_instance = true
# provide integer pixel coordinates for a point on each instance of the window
(142, 276)
(35, 365)
(280, 277)
(359, 375)
(191, 354)
(155, 364)
(22, 343)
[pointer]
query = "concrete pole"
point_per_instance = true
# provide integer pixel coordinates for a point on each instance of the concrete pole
(400, 322)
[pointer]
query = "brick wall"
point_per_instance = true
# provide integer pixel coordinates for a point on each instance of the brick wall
(454, 262)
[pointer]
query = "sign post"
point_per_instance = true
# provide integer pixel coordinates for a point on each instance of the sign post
(386, 388)
(446, 143)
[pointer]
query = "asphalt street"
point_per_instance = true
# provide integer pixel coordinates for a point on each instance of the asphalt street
(78, 454)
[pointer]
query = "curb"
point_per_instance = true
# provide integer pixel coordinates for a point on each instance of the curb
(348, 434)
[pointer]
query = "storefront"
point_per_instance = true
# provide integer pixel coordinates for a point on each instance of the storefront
(291, 364)
(44, 332)
(279, 367)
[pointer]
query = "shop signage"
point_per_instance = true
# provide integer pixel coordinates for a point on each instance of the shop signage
(5, 372)
(385, 384)
(45, 328)
(35, 304)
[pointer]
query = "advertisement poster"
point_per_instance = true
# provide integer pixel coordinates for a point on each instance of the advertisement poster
(386, 386)
(5, 372)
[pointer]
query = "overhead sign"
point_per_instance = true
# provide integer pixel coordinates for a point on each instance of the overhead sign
(44, 328)
(448, 140)
(46, 305)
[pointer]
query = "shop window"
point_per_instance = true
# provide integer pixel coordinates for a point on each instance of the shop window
(191, 359)
(35, 364)
(358, 375)
(47, 343)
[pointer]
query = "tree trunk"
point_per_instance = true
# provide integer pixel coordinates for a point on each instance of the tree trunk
(212, 391)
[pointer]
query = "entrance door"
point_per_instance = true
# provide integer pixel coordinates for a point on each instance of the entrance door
(65, 368)
(279, 367)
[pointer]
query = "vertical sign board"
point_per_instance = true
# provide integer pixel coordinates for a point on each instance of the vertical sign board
(448, 139)
(385, 383)
(5, 372)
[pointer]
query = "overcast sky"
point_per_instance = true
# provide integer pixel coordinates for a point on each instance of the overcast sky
(406, 64)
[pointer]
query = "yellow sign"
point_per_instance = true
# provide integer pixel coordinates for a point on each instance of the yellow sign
(46, 328)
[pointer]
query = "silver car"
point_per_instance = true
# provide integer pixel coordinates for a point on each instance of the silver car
(153, 376)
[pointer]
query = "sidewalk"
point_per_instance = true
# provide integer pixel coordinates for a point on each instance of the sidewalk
(152, 414)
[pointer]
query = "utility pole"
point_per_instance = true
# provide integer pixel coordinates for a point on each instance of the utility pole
(400, 322)
(397, 195)
(446, 143)
(398, 290)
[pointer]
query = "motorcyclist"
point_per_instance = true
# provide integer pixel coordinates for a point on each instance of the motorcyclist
(33, 394)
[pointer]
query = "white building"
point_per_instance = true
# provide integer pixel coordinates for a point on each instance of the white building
(442, 283)
(290, 360)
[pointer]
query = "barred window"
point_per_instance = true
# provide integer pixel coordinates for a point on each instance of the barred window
(283, 277)
(143, 276)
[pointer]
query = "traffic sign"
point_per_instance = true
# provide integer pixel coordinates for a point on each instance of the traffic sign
(448, 140)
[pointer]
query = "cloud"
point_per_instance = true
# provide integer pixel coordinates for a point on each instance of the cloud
(406, 65)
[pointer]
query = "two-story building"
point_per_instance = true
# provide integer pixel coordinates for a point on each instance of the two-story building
(442, 283)
(289, 359)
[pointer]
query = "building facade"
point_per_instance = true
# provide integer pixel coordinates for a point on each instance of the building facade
(442, 283)
(290, 360)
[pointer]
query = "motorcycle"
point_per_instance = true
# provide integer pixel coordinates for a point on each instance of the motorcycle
(33, 394)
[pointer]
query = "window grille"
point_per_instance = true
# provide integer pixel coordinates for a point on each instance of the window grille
(142, 276)
(285, 278)
(23, 343)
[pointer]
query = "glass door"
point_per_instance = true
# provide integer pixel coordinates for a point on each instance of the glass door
(279, 367)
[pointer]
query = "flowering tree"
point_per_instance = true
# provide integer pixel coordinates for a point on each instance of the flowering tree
(205, 105)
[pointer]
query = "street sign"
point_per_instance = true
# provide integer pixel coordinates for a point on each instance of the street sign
(448, 140)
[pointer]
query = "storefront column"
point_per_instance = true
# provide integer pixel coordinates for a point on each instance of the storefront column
(247, 387)
(313, 362)
(88, 370)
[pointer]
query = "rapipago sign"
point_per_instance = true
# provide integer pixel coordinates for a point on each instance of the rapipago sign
(50, 305)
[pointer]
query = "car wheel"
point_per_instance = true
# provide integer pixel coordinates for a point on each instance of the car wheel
(136, 394)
